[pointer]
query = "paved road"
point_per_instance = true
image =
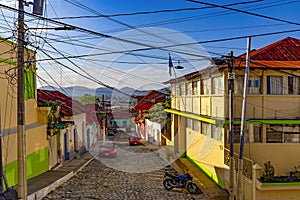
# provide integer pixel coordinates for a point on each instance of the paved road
(116, 178)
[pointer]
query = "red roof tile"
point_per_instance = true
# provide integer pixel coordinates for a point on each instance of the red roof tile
(287, 49)
(68, 106)
(261, 64)
(151, 98)
(91, 112)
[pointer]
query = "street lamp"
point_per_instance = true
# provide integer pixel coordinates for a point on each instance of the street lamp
(179, 66)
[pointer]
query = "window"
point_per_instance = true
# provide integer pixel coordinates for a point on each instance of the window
(195, 87)
(217, 85)
(206, 129)
(289, 133)
(217, 132)
(181, 90)
(254, 85)
(274, 85)
(205, 86)
(196, 125)
(188, 89)
(252, 133)
(274, 134)
(189, 123)
(293, 85)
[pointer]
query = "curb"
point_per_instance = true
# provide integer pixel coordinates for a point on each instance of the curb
(38, 195)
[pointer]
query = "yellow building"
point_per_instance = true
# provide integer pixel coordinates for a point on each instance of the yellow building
(36, 140)
(200, 114)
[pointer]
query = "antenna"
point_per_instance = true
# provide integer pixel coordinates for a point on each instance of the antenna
(38, 6)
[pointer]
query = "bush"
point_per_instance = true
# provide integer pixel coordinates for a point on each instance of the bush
(268, 173)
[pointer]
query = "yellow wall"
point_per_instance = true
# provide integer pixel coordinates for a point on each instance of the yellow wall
(206, 151)
(205, 105)
(278, 194)
(36, 139)
(283, 156)
(218, 105)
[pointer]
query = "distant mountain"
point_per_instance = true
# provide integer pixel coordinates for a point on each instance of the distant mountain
(74, 91)
(79, 91)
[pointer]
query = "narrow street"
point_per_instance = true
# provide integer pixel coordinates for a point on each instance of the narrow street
(122, 177)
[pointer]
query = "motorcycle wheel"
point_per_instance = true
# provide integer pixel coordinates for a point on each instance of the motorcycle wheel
(168, 184)
(193, 188)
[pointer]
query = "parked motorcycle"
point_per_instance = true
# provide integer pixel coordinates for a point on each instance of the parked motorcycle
(174, 180)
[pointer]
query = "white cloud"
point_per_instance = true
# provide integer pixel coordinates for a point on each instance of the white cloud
(10, 3)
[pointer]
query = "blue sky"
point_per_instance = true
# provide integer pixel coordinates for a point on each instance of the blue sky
(140, 71)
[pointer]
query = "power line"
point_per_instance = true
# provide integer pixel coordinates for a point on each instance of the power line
(205, 16)
(148, 12)
(246, 12)
(186, 44)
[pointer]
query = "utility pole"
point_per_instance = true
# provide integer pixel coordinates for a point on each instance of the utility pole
(104, 119)
(1, 163)
(243, 122)
(22, 181)
(231, 77)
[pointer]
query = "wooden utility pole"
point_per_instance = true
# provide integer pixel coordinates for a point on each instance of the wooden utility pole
(22, 181)
(231, 78)
(243, 122)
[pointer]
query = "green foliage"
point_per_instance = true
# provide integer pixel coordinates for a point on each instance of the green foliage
(296, 172)
(88, 99)
(269, 172)
(157, 113)
(54, 118)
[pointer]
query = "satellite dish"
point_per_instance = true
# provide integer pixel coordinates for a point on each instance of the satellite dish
(38, 6)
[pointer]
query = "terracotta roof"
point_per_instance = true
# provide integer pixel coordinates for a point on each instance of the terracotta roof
(260, 64)
(151, 98)
(143, 106)
(91, 112)
(122, 114)
(287, 49)
(68, 106)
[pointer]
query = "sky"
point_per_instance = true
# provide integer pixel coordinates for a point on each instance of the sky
(135, 50)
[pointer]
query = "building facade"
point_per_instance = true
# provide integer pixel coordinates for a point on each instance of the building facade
(200, 112)
(36, 141)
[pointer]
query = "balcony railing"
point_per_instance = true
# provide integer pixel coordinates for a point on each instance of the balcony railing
(247, 163)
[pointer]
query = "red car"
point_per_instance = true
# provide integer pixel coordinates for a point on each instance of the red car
(108, 149)
(134, 141)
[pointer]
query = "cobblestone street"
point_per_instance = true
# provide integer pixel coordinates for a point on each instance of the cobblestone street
(99, 181)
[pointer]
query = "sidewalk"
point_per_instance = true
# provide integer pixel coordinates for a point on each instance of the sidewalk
(41, 185)
(208, 186)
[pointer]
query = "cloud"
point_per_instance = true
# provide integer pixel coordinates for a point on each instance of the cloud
(11, 3)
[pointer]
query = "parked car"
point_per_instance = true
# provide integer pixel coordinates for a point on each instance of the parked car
(134, 141)
(107, 149)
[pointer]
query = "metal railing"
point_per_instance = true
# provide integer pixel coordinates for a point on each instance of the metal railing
(247, 163)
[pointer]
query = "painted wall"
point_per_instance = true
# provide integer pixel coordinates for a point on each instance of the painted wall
(208, 154)
(153, 132)
(37, 160)
(277, 153)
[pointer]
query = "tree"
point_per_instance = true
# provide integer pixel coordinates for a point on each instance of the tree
(88, 99)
